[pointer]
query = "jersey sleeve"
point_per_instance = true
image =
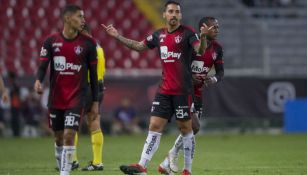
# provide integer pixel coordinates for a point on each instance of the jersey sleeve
(219, 64)
(152, 40)
(92, 65)
(44, 59)
(193, 38)
(219, 56)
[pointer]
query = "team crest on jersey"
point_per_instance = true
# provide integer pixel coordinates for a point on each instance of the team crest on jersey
(78, 50)
(178, 39)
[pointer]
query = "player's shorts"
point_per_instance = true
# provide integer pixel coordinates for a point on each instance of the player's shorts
(198, 106)
(165, 106)
(89, 99)
(65, 119)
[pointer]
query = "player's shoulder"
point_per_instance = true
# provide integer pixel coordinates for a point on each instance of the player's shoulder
(52, 36)
(188, 28)
(50, 39)
(158, 31)
(87, 38)
(216, 44)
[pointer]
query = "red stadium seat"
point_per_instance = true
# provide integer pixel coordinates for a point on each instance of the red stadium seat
(30, 22)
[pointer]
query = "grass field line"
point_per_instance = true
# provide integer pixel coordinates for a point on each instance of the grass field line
(256, 167)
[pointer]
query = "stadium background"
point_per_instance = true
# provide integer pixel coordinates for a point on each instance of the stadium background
(264, 43)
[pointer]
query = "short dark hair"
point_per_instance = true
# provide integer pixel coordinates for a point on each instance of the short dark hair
(171, 2)
(205, 20)
(70, 8)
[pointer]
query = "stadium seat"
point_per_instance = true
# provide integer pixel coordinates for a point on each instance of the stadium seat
(29, 22)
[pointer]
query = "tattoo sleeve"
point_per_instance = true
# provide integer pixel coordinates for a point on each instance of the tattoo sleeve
(132, 44)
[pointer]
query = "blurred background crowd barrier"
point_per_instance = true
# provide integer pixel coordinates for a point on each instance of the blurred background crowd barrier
(264, 50)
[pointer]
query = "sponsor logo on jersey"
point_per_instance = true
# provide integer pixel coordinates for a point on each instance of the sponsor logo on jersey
(78, 50)
(43, 52)
(178, 39)
(60, 64)
(198, 67)
(166, 54)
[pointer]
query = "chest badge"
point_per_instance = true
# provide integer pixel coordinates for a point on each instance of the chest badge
(178, 39)
(78, 50)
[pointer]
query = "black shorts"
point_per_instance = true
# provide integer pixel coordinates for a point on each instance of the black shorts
(89, 99)
(60, 119)
(198, 106)
(166, 106)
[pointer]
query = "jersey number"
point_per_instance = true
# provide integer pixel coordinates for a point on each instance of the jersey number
(69, 121)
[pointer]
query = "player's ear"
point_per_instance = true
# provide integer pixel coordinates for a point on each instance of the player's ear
(66, 18)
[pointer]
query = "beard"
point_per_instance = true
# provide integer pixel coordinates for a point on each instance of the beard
(173, 22)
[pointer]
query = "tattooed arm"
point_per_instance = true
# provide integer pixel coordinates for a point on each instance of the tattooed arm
(132, 44)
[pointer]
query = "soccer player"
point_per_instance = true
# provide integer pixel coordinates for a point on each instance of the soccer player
(71, 55)
(93, 122)
(175, 43)
(201, 65)
(3, 91)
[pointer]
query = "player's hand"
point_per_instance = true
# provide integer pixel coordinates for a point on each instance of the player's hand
(210, 80)
(38, 87)
(110, 30)
(198, 78)
(5, 96)
(205, 30)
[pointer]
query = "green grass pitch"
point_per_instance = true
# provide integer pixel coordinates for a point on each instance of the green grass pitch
(215, 155)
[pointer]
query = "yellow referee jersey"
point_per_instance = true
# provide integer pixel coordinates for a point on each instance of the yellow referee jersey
(101, 68)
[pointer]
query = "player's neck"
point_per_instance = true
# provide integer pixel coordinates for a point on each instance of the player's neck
(170, 28)
(69, 33)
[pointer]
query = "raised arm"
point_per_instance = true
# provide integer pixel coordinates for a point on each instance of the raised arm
(132, 44)
(204, 30)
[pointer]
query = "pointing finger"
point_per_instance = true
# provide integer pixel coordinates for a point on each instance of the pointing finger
(210, 27)
(103, 26)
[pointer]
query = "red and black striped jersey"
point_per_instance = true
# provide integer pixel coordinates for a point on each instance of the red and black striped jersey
(175, 51)
(69, 61)
(202, 64)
